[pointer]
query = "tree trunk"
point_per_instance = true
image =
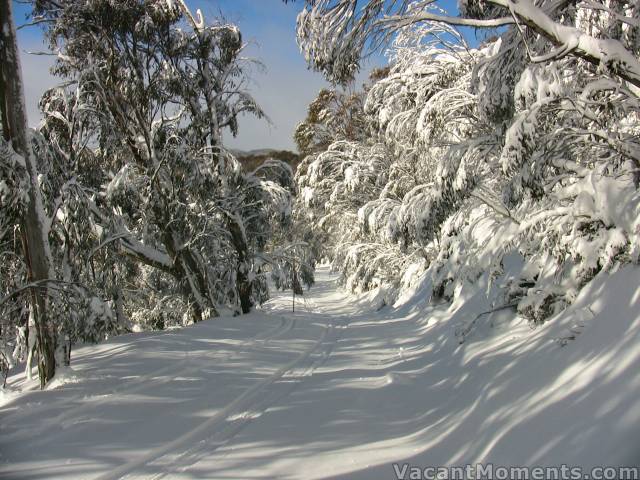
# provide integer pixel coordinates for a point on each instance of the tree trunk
(187, 271)
(243, 284)
(3, 114)
(245, 288)
(121, 318)
(36, 246)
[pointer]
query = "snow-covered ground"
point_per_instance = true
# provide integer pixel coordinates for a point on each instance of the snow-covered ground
(339, 390)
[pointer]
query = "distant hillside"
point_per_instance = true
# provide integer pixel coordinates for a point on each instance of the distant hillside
(250, 160)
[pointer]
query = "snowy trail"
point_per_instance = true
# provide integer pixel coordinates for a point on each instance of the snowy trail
(303, 339)
(250, 406)
(139, 383)
(213, 429)
(182, 367)
(340, 390)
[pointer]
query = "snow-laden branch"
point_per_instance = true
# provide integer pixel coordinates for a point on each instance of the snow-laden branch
(198, 23)
(334, 34)
(131, 246)
(401, 21)
(599, 51)
(622, 18)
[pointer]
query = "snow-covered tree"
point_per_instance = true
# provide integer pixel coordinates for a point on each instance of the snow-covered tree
(21, 200)
(156, 94)
(527, 143)
(333, 115)
(335, 34)
(143, 217)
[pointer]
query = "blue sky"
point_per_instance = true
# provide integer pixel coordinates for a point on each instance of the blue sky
(283, 91)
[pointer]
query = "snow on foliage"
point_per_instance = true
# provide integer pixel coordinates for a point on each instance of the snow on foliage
(152, 221)
(475, 155)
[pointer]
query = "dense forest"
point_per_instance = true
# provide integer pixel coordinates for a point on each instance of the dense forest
(497, 151)
(454, 157)
(124, 209)
(459, 226)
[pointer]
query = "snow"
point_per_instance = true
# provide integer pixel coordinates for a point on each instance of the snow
(339, 390)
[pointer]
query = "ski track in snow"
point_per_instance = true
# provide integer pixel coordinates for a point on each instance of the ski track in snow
(338, 391)
(217, 430)
(214, 432)
(163, 375)
(269, 392)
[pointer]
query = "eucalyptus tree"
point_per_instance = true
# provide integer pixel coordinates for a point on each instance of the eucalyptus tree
(335, 34)
(156, 93)
(21, 200)
(332, 115)
(533, 136)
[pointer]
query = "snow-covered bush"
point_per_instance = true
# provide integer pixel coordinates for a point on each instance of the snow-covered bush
(512, 148)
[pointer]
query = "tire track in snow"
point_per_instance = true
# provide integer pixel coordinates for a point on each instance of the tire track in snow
(201, 441)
